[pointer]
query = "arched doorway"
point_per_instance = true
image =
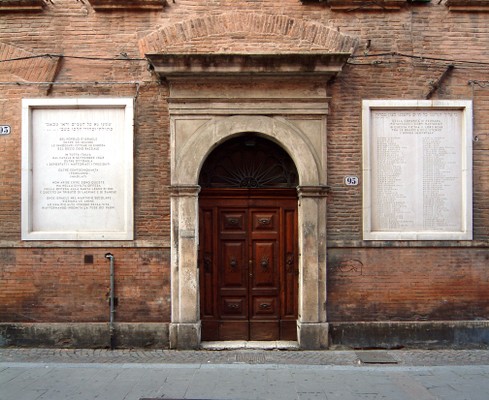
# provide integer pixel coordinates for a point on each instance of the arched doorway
(190, 151)
(214, 97)
(248, 242)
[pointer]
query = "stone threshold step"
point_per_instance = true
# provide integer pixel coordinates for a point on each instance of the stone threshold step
(250, 345)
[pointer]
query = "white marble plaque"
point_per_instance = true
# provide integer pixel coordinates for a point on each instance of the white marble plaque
(77, 169)
(417, 170)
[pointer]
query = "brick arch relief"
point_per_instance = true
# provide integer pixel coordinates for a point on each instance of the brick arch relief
(249, 32)
(25, 65)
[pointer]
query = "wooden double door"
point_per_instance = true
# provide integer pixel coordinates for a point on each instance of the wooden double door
(248, 264)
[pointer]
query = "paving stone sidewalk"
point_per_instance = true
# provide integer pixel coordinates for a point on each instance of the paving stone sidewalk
(244, 374)
(249, 356)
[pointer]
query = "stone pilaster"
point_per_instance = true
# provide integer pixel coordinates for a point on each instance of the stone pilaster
(185, 316)
(311, 323)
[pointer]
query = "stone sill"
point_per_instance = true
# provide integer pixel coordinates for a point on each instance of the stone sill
(21, 6)
(407, 243)
(468, 5)
(130, 244)
(114, 5)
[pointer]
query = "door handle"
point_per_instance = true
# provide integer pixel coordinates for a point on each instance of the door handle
(207, 263)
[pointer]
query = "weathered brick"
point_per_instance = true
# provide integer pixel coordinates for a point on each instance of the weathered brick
(49, 282)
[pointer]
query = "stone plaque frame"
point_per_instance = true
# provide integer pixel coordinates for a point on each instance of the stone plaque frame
(429, 151)
(68, 145)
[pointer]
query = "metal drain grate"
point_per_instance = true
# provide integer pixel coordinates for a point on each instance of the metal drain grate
(251, 358)
(375, 357)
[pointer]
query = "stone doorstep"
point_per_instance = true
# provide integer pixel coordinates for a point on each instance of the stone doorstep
(250, 345)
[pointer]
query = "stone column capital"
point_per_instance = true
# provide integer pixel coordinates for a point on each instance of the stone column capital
(185, 190)
(313, 191)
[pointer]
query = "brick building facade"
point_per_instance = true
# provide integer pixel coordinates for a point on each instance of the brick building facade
(200, 74)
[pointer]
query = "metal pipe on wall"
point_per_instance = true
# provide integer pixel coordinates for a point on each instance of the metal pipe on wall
(111, 258)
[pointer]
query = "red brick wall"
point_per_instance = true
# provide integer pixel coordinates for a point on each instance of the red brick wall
(58, 285)
(50, 282)
(415, 284)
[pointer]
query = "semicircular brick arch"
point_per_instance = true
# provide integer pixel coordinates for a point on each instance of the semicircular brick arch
(247, 32)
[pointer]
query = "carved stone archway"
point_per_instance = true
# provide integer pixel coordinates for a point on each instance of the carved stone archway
(312, 325)
(282, 97)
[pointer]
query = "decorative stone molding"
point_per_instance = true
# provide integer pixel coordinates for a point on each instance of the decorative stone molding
(111, 5)
(268, 30)
(187, 157)
(21, 6)
(353, 5)
(213, 98)
(185, 191)
(312, 191)
(317, 64)
(468, 5)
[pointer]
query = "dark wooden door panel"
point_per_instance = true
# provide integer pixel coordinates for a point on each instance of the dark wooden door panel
(232, 265)
(248, 266)
(264, 265)
(265, 330)
(207, 263)
(233, 330)
(264, 221)
(289, 284)
(265, 307)
(288, 329)
(234, 307)
(233, 221)
(210, 330)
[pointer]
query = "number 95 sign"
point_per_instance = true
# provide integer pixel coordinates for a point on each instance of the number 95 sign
(4, 129)
(351, 180)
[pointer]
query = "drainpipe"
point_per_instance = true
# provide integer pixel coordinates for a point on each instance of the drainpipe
(110, 257)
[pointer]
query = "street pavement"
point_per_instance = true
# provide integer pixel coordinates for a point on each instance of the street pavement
(51, 374)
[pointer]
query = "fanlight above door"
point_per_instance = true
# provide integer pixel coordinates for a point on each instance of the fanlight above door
(249, 162)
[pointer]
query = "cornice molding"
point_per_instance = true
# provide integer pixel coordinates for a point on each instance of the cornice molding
(468, 5)
(257, 65)
(115, 5)
(21, 6)
(359, 5)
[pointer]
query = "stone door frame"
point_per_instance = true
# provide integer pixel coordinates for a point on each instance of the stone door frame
(214, 96)
(188, 155)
